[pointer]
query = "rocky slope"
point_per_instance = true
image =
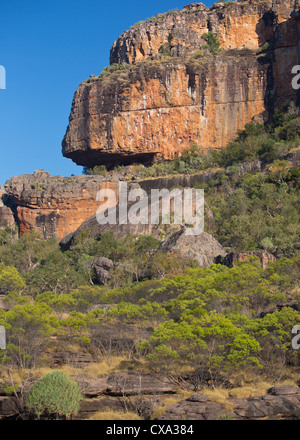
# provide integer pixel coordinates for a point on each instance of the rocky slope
(164, 98)
(145, 393)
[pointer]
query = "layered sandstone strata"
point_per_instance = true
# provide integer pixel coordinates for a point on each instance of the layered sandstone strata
(157, 105)
(245, 24)
(160, 108)
(55, 205)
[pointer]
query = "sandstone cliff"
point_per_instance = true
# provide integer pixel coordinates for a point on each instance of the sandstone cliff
(64, 206)
(164, 98)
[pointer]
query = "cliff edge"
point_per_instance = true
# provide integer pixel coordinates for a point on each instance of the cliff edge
(169, 85)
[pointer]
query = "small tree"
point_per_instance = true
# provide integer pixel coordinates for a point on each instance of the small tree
(55, 395)
(213, 44)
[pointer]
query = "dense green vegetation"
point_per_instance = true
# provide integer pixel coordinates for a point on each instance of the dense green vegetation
(215, 320)
(158, 307)
(257, 210)
(252, 210)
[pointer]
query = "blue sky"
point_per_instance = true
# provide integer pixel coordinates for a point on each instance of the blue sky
(47, 48)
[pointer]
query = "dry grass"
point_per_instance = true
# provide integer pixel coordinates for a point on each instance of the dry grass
(92, 371)
(115, 415)
(252, 386)
(105, 366)
(171, 400)
(219, 395)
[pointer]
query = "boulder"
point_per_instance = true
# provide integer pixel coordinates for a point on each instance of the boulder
(203, 248)
(8, 407)
(93, 388)
(92, 406)
(283, 390)
(102, 265)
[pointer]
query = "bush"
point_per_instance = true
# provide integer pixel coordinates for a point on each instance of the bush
(96, 170)
(55, 396)
(290, 130)
(198, 54)
(213, 44)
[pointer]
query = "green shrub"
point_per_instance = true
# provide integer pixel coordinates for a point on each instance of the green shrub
(55, 395)
(289, 131)
(197, 54)
(108, 70)
(99, 170)
(267, 47)
(165, 50)
(213, 44)
(137, 25)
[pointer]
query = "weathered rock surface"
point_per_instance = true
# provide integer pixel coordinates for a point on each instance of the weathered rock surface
(102, 267)
(91, 406)
(93, 228)
(281, 402)
(6, 216)
(203, 248)
(8, 407)
(244, 24)
(131, 384)
(75, 359)
(117, 391)
(64, 206)
(159, 106)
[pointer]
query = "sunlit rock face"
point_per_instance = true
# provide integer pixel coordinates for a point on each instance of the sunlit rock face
(157, 105)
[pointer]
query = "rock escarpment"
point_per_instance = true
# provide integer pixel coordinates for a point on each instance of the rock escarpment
(60, 206)
(167, 95)
(280, 402)
(55, 205)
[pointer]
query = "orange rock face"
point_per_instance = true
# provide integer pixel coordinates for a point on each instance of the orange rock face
(55, 205)
(166, 107)
(160, 105)
(246, 24)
